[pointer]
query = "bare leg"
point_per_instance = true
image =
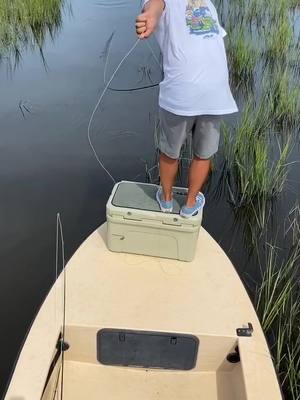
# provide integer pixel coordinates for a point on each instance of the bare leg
(168, 170)
(198, 174)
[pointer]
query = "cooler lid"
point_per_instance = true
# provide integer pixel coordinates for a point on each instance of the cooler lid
(138, 201)
(141, 196)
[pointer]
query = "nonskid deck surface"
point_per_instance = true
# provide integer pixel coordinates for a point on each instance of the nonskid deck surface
(94, 382)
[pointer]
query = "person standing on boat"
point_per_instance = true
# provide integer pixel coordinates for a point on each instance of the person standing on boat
(194, 93)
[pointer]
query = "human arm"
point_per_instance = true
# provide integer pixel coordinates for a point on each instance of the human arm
(147, 21)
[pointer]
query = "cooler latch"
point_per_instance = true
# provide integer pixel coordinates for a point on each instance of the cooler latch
(131, 217)
(174, 221)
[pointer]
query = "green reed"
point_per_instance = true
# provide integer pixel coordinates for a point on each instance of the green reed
(279, 37)
(242, 55)
(283, 90)
(256, 172)
(278, 306)
(25, 23)
(255, 10)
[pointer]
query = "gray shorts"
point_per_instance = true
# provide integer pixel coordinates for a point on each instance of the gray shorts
(204, 129)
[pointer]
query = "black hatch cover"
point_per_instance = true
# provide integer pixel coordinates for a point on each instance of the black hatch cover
(147, 349)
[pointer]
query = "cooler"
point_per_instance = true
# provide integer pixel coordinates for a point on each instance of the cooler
(136, 225)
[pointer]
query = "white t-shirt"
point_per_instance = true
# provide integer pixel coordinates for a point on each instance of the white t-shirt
(194, 60)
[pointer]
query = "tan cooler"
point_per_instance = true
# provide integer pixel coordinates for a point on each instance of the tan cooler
(136, 225)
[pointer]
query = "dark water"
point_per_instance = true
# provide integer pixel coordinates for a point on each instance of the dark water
(46, 165)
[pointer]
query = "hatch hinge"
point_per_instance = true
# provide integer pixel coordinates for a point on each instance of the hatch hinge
(246, 332)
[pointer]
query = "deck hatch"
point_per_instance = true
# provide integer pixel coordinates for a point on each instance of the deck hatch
(147, 349)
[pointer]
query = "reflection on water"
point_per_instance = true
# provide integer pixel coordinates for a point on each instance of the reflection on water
(25, 24)
(147, 75)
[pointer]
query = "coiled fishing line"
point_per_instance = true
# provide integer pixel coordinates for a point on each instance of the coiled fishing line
(97, 106)
(101, 98)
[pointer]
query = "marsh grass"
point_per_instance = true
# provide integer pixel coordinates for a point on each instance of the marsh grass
(277, 8)
(257, 147)
(279, 37)
(255, 171)
(253, 175)
(255, 168)
(255, 10)
(278, 306)
(283, 92)
(242, 56)
(25, 23)
(294, 4)
(277, 302)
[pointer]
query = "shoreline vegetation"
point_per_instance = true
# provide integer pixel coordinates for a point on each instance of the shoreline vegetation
(25, 24)
(264, 59)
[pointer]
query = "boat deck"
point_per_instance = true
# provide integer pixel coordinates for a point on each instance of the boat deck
(107, 289)
(119, 383)
(204, 298)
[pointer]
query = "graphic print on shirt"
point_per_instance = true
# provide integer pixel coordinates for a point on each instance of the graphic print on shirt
(199, 19)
